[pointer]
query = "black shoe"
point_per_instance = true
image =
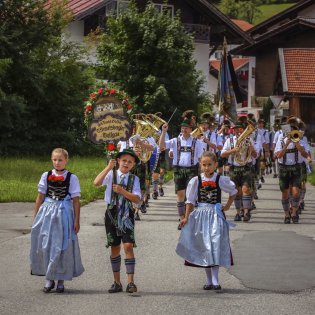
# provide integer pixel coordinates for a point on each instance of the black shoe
(302, 205)
(137, 217)
(242, 213)
(262, 179)
(295, 219)
(143, 208)
(255, 196)
(258, 186)
(161, 191)
(48, 289)
(287, 220)
(237, 217)
(115, 288)
(155, 195)
(275, 175)
(246, 217)
(60, 288)
(131, 288)
(217, 288)
(208, 287)
(253, 206)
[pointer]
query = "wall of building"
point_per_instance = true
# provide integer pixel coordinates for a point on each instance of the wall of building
(201, 55)
(75, 31)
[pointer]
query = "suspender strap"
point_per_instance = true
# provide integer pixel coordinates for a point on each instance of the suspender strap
(192, 152)
(209, 137)
(199, 186)
(232, 147)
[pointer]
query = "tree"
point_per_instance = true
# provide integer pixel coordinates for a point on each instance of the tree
(241, 9)
(42, 85)
(150, 55)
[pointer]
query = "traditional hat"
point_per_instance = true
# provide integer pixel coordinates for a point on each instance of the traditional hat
(129, 152)
(226, 123)
(251, 117)
(207, 118)
(293, 121)
(241, 123)
(189, 119)
(261, 121)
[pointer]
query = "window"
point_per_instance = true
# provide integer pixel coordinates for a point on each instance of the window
(116, 7)
(165, 7)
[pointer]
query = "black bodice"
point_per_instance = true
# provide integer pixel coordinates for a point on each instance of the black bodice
(206, 195)
(58, 190)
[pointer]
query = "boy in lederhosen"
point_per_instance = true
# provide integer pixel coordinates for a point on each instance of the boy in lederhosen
(290, 156)
(186, 153)
(122, 189)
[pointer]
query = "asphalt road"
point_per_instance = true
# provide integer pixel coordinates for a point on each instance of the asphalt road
(273, 274)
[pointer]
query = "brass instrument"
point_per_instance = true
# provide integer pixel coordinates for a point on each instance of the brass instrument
(295, 135)
(197, 133)
(143, 129)
(243, 142)
(157, 121)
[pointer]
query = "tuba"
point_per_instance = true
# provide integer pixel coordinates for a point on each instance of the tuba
(143, 129)
(243, 142)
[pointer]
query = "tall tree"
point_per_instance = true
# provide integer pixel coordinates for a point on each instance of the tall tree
(42, 86)
(151, 56)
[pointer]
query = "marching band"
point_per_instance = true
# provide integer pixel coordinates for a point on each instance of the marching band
(246, 151)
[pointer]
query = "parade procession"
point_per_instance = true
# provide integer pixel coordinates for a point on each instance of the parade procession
(157, 157)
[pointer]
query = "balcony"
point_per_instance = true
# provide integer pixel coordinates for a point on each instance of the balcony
(200, 32)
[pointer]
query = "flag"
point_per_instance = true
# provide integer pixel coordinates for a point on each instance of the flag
(226, 97)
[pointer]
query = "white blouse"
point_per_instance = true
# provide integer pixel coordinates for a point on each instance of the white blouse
(225, 184)
(74, 187)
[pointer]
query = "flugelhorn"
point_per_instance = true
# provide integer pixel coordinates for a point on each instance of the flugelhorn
(295, 135)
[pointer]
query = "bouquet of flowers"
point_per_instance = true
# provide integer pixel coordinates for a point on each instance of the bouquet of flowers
(209, 185)
(111, 150)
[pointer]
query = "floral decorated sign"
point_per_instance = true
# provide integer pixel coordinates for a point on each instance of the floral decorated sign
(106, 115)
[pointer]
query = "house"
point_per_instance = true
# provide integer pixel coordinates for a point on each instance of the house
(200, 17)
(282, 51)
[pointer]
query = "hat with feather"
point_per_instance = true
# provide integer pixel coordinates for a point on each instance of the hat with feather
(189, 119)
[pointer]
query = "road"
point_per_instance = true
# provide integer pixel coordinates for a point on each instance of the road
(274, 270)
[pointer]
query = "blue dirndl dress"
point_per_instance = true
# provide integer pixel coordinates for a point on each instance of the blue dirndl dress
(204, 240)
(55, 251)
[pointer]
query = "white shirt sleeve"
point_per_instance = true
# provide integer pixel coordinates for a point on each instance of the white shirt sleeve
(227, 185)
(192, 191)
(74, 188)
(136, 187)
(42, 185)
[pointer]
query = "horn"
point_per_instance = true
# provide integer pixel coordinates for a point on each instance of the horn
(196, 133)
(295, 135)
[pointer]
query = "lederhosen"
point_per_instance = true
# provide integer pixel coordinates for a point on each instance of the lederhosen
(114, 235)
(58, 190)
(240, 175)
(290, 174)
(183, 174)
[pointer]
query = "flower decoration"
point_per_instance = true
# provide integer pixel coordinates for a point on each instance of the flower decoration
(111, 150)
(109, 90)
(209, 185)
(54, 178)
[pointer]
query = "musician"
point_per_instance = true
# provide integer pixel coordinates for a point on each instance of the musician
(240, 169)
(208, 136)
(223, 134)
(290, 155)
(265, 154)
(186, 153)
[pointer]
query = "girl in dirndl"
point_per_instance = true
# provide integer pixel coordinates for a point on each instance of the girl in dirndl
(204, 240)
(55, 251)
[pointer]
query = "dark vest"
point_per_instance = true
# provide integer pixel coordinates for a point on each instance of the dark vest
(58, 190)
(213, 196)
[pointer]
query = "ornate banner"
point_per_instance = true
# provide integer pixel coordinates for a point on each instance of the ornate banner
(106, 116)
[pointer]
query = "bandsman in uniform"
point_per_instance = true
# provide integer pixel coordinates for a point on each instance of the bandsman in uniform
(186, 153)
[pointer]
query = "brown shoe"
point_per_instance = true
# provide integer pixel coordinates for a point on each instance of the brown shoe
(131, 288)
(115, 288)
(246, 217)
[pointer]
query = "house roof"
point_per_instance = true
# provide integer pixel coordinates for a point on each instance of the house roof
(81, 8)
(297, 70)
(288, 14)
(238, 63)
(243, 25)
(291, 27)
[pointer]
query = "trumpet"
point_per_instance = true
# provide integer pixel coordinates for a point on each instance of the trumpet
(295, 135)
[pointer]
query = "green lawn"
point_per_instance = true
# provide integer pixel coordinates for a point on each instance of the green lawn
(19, 177)
(311, 178)
(270, 10)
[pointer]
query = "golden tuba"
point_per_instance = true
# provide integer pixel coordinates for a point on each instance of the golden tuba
(143, 129)
(243, 142)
